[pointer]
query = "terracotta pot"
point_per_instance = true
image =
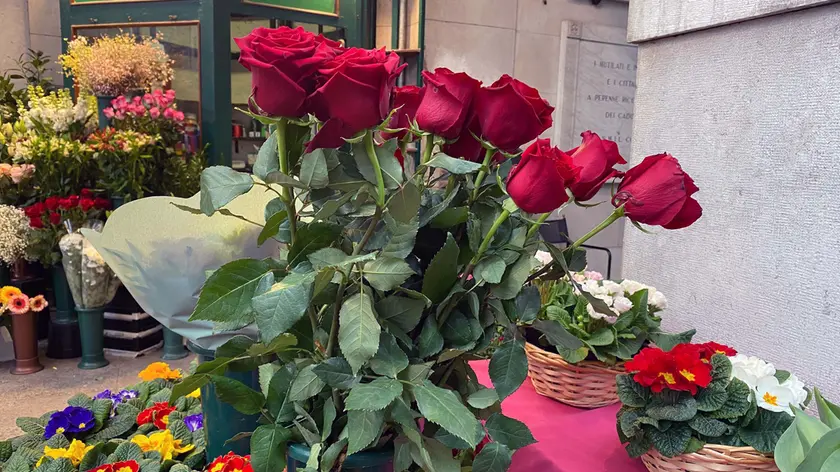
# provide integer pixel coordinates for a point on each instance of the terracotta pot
(25, 338)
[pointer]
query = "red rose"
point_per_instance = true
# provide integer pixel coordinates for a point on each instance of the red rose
(283, 64)
(709, 349)
(86, 203)
(55, 218)
(51, 203)
(538, 183)
(355, 94)
(36, 222)
(399, 155)
(658, 192)
(35, 210)
(511, 113)
(446, 103)
(65, 203)
(596, 158)
(466, 146)
(406, 99)
(73, 201)
(157, 414)
(86, 192)
(101, 203)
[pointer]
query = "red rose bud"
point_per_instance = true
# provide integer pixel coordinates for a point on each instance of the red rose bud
(73, 201)
(65, 203)
(35, 222)
(86, 203)
(35, 210)
(511, 113)
(596, 158)
(101, 203)
(283, 64)
(51, 203)
(406, 101)
(538, 183)
(355, 94)
(55, 218)
(86, 192)
(446, 104)
(658, 192)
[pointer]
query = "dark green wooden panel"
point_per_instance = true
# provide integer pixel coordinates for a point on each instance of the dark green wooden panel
(326, 6)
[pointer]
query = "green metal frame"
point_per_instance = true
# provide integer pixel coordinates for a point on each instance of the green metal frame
(213, 17)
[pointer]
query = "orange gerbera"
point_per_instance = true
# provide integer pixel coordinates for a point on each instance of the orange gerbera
(7, 292)
(38, 303)
(159, 370)
(19, 304)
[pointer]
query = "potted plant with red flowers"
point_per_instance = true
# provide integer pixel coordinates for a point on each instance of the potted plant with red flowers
(703, 407)
(18, 313)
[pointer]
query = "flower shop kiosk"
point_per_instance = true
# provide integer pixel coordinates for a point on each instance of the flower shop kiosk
(198, 35)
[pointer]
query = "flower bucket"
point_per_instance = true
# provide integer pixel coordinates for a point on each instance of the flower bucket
(64, 341)
(25, 339)
(712, 458)
(173, 346)
(222, 421)
(373, 461)
(92, 333)
(587, 384)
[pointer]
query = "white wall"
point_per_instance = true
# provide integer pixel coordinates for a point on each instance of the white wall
(751, 110)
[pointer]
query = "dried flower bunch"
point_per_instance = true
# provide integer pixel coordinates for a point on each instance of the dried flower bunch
(14, 233)
(114, 65)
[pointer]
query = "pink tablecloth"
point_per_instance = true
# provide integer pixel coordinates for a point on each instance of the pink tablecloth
(570, 439)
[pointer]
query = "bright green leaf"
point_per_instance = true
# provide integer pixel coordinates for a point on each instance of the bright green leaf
(454, 166)
(508, 368)
(443, 407)
(306, 384)
(278, 309)
(226, 296)
(268, 450)
(238, 395)
(508, 431)
(358, 333)
(313, 169)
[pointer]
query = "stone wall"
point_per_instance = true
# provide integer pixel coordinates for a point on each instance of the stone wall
(750, 109)
(30, 24)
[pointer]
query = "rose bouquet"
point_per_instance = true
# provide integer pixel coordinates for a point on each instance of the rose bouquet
(115, 65)
(47, 221)
(134, 428)
(389, 281)
(696, 396)
(92, 283)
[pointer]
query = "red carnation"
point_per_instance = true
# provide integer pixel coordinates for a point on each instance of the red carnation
(51, 203)
(158, 414)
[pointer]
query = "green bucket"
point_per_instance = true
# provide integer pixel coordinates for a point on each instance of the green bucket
(370, 461)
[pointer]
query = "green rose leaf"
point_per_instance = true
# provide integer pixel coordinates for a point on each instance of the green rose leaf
(402, 312)
(512, 433)
(278, 402)
(402, 237)
(313, 169)
(390, 359)
(358, 333)
(278, 309)
(451, 217)
(272, 227)
(508, 368)
(528, 304)
(331, 455)
(442, 272)
(453, 165)
(376, 395)
(483, 398)
(267, 159)
(306, 384)
(310, 238)
(493, 457)
(430, 341)
(392, 172)
(405, 204)
(226, 296)
(220, 185)
(337, 373)
(363, 428)
(385, 273)
(514, 277)
(491, 269)
(238, 395)
(444, 408)
(268, 447)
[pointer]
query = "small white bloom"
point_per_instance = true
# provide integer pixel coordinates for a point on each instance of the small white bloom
(594, 275)
(592, 287)
(631, 286)
(613, 288)
(544, 257)
(751, 369)
(797, 389)
(658, 300)
(622, 304)
(606, 298)
(774, 397)
(594, 314)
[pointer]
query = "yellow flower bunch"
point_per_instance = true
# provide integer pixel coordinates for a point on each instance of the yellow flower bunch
(7, 292)
(159, 370)
(162, 442)
(114, 65)
(75, 452)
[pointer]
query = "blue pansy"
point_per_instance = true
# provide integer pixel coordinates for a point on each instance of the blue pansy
(194, 422)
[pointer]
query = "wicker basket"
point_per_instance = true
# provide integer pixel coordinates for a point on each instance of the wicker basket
(587, 384)
(712, 458)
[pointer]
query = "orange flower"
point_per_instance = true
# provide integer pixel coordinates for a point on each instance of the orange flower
(19, 304)
(37, 303)
(159, 370)
(7, 292)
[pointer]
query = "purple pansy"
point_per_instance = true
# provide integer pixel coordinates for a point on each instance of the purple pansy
(104, 395)
(194, 422)
(58, 424)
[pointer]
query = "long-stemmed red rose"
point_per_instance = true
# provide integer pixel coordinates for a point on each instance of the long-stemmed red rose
(406, 101)
(511, 113)
(447, 102)
(538, 183)
(596, 158)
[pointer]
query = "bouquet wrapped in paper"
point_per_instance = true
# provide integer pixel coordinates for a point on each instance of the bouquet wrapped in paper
(91, 281)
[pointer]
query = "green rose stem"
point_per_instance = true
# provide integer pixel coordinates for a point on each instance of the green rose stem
(374, 160)
(488, 156)
(618, 213)
(428, 147)
(536, 226)
(286, 194)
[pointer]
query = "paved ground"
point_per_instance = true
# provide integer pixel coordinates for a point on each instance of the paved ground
(35, 394)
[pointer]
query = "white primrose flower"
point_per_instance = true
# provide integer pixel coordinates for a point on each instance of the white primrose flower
(797, 388)
(599, 316)
(631, 286)
(612, 288)
(751, 369)
(622, 304)
(594, 275)
(658, 300)
(773, 396)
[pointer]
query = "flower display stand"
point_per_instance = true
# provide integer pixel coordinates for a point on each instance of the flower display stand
(222, 421)
(371, 461)
(64, 339)
(712, 458)
(92, 333)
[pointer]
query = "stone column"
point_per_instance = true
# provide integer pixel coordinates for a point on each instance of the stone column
(745, 94)
(14, 35)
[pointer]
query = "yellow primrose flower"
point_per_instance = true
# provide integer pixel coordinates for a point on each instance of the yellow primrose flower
(8, 292)
(158, 370)
(75, 452)
(163, 442)
(195, 393)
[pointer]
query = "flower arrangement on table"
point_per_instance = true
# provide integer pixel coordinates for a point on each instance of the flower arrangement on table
(115, 65)
(389, 281)
(697, 404)
(134, 427)
(585, 329)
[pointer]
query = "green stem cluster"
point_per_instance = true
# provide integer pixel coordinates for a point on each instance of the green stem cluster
(370, 147)
(488, 156)
(286, 194)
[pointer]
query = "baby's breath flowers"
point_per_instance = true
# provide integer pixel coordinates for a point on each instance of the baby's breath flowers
(114, 65)
(14, 234)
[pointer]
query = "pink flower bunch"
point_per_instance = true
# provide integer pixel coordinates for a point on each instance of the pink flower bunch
(17, 173)
(155, 104)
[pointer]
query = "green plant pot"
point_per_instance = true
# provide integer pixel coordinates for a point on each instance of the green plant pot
(103, 102)
(173, 346)
(222, 421)
(92, 331)
(373, 461)
(117, 202)
(64, 341)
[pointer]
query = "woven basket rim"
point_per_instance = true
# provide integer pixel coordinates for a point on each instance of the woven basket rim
(720, 451)
(618, 368)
